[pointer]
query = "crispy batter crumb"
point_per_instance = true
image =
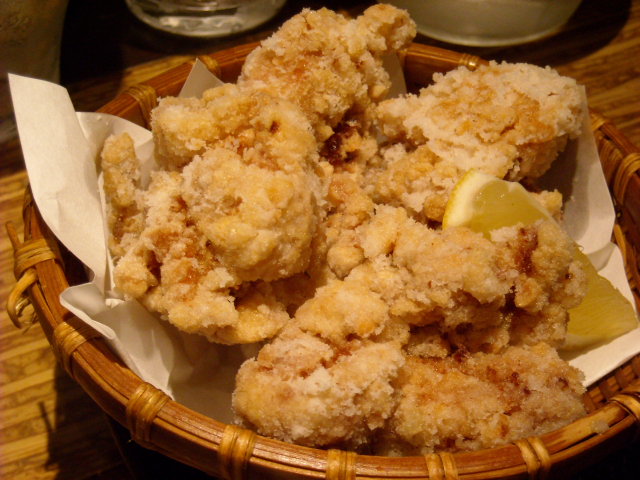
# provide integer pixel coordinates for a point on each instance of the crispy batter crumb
(481, 400)
(509, 120)
(300, 208)
(242, 208)
(329, 65)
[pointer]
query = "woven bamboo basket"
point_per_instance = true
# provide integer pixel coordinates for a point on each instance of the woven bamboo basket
(155, 421)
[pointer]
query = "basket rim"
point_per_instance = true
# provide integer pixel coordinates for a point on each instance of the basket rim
(222, 449)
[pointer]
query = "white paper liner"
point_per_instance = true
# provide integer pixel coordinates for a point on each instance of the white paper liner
(60, 149)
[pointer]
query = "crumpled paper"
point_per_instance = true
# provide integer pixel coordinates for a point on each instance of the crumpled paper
(60, 149)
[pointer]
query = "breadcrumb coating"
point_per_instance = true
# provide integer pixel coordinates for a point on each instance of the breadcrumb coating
(241, 208)
(445, 296)
(469, 402)
(279, 214)
(329, 65)
(327, 372)
(508, 120)
(482, 294)
(121, 184)
(265, 130)
(258, 220)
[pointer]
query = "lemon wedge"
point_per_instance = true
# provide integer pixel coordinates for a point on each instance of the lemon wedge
(484, 203)
(603, 315)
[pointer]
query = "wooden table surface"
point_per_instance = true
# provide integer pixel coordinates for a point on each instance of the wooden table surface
(49, 428)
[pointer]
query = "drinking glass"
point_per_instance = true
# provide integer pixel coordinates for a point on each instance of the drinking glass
(204, 18)
(488, 22)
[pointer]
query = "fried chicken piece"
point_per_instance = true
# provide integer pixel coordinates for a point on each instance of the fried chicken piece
(481, 294)
(441, 293)
(265, 130)
(437, 296)
(509, 120)
(453, 280)
(434, 295)
(242, 210)
(550, 281)
(121, 183)
(469, 402)
(415, 179)
(350, 208)
(259, 221)
(328, 65)
(174, 271)
(277, 216)
(329, 372)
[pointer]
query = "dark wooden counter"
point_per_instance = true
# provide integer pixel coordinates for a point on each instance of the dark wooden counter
(49, 429)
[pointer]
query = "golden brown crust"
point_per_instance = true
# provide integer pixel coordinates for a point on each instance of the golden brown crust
(278, 213)
(329, 372)
(241, 207)
(121, 184)
(469, 402)
(329, 65)
(508, 120)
